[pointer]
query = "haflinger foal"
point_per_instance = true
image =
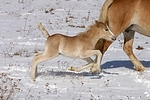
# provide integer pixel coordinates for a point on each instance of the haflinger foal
(79, 46)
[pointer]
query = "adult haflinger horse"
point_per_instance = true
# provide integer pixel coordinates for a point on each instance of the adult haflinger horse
(126, 16)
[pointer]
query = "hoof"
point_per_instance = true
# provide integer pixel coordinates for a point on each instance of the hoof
(140, 68)
(33, 78)
(72, 68)
(96, 73)
(95, 68)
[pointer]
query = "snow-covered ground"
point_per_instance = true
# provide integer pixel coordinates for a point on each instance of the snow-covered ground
(20, 39)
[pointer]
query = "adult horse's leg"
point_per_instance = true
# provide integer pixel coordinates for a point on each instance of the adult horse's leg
(102, 45)
(128, 42)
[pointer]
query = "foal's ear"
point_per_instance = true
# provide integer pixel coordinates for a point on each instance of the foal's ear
(98, 23)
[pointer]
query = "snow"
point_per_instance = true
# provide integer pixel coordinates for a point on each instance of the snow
(20, 39)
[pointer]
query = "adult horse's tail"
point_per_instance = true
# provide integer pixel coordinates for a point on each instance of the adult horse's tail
(104, 11)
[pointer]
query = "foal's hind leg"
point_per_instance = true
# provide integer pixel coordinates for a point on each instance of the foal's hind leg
(128, 42)
(40, 58)
(39, 53)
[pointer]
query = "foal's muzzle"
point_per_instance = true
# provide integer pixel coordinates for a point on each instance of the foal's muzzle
(113, 38)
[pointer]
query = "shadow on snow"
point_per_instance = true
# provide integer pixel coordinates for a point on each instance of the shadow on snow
(122, 63)
(108, 65)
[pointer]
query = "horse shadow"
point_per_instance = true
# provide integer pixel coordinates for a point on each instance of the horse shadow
(74, 74)
(108, 65)
(123, 63)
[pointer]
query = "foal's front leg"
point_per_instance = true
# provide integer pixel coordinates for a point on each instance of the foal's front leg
(86, 54)
(78, 69)
(96, 66)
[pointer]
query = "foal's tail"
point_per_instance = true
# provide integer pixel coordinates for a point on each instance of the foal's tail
(43, 30)
(104, 11)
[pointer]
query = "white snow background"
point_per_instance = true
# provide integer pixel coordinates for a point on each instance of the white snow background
(20, 39)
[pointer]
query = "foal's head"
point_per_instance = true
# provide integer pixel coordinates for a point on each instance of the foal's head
(104, 31)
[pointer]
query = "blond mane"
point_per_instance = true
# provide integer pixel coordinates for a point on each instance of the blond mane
(88, 30)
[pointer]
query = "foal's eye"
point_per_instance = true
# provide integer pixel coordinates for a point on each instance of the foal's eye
(106, 29)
